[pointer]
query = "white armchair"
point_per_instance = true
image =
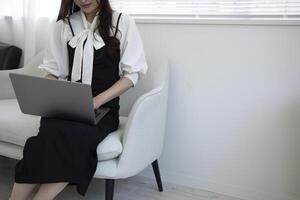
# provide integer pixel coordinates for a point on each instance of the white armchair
(124, 153)
(143, 135)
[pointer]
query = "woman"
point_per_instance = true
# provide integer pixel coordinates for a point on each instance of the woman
(92, 44)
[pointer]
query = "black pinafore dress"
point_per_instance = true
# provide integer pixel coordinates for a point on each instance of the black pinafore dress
(65, 150)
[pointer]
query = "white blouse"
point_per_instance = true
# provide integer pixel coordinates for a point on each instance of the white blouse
(132, 63)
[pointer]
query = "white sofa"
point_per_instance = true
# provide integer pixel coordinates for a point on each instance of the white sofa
(136, 144)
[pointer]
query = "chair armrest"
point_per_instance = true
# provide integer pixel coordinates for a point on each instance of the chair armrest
(144, 132)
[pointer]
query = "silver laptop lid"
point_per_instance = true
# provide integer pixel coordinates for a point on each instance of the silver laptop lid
(54, 98)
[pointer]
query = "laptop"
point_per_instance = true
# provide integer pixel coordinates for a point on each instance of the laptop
(56, 98)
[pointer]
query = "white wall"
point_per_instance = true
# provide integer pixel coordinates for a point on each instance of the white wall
(234, 108)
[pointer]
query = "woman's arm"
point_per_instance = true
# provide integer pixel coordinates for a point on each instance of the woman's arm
(55, 59)
(132, 64)
(122, 85)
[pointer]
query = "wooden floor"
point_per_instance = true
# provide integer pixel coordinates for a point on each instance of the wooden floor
(134, 188)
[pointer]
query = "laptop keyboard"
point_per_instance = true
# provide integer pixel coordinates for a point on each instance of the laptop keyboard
(101, 111)
(97, 112)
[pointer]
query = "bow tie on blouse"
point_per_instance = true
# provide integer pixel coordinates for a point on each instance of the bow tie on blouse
(84, 58)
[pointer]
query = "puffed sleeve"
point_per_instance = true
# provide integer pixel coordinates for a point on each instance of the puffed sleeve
(55, 59)
(133, 63)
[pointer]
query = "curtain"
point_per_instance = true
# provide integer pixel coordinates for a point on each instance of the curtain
(26, 24)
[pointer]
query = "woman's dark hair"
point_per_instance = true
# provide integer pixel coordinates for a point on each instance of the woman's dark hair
(68, 7)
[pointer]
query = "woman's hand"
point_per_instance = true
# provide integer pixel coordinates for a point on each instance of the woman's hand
(114, 91)
(96, 103)
(50, 76)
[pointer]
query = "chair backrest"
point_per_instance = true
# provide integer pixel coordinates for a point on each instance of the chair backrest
(156, 76)
(146, 108)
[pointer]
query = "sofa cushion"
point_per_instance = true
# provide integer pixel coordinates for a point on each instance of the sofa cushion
(9, 56)
(16, 127)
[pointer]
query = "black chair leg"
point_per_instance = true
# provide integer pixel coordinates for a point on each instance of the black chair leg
(109, 189)
(157, 175)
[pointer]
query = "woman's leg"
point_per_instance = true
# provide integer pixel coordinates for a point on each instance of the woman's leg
(21, 191)
(48, 191)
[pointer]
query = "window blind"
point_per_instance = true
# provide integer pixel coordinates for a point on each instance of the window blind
(270, 8)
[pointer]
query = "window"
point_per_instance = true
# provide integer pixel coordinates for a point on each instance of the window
(169, 8)
(207, 8)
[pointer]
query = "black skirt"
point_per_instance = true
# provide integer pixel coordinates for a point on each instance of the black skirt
(64, 151)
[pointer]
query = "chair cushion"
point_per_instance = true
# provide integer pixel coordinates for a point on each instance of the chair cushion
(16, 127)
(111, 147)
